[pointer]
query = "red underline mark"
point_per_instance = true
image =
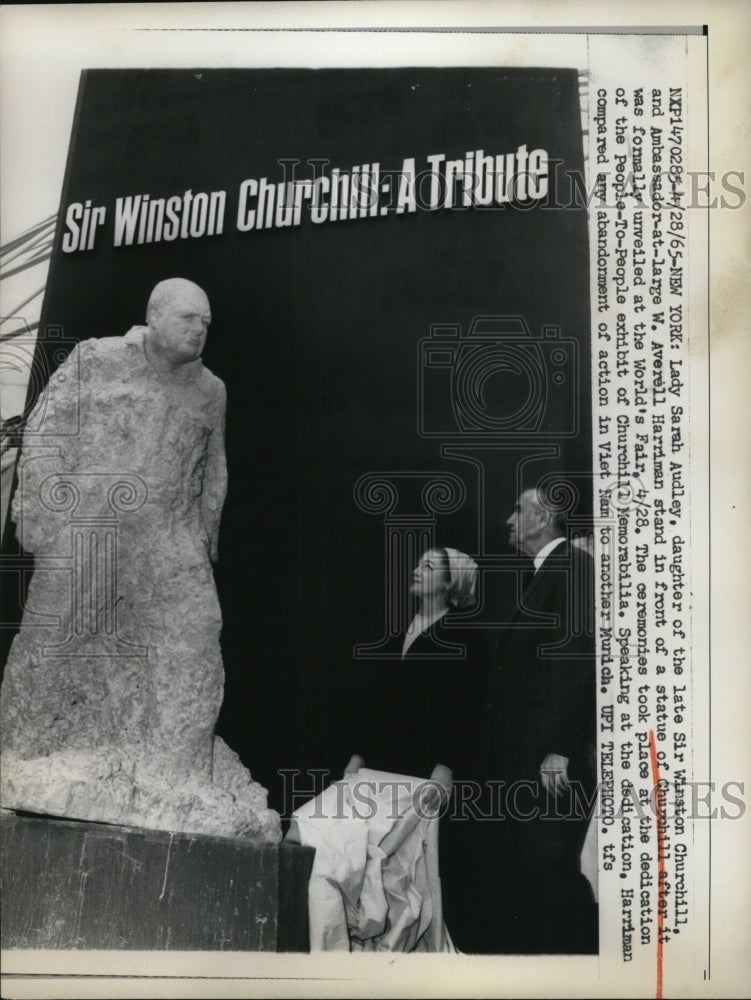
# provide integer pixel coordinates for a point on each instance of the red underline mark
(659, 812)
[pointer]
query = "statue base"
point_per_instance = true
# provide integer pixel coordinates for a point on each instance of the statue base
(127, 788)
(73, 885)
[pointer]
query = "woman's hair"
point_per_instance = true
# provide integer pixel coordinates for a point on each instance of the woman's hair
(461, 571)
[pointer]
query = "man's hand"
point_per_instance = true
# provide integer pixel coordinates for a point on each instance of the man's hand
(554, 772)
(355, 763)
(437, 792)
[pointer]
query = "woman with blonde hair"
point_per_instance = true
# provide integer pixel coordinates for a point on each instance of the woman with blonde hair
(421, 706)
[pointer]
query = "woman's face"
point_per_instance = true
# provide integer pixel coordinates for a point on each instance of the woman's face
(430, 578)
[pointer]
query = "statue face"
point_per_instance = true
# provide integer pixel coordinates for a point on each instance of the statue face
(179, 326)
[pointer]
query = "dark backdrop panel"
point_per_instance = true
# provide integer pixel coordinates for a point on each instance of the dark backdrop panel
(315, 332)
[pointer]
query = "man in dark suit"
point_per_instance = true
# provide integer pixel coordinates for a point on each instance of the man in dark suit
(541, 714)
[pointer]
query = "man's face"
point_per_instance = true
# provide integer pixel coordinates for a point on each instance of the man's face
(179, 326)
(526, 523)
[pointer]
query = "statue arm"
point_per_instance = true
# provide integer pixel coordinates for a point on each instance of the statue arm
(51, 444)
(215, 483)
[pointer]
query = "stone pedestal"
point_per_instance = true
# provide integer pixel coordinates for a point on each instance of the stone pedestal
(72, 885)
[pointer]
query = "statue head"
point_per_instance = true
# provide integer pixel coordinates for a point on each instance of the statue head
(178, 317)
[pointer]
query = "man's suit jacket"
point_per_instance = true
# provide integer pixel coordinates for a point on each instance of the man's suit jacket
(542, 690)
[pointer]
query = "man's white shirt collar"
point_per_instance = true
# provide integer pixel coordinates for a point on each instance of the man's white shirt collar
(545, 551)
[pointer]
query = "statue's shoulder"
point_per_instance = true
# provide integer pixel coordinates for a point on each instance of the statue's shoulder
(212, 384)
(96, 352)
(103, 359)
(103, 348)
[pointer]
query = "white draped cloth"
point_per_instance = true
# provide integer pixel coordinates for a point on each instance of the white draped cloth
(375, 884)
